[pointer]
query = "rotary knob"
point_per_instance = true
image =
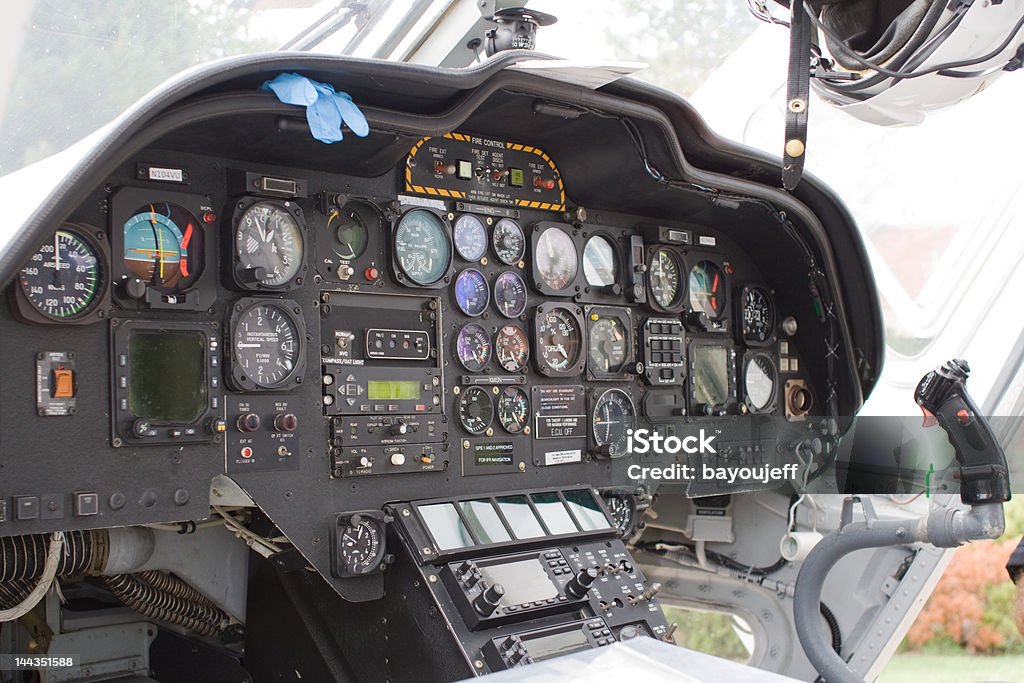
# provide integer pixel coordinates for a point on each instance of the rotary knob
(581, 583)
(398, 429)
(248, 422)
(285, 422)
(488, 600)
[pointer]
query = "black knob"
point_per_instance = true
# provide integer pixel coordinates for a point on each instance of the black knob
(464, 568)
(248, 422)
(488, 600)
(398, 429)
(134, 287)
(581, 583)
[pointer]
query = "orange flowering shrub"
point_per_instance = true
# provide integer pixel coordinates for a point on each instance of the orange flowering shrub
(973, 604)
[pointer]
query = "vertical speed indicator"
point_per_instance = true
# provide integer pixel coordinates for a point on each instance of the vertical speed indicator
(267, 344)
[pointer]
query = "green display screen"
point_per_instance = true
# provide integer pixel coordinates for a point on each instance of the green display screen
(515, 177)
(167, 376)
(392, 391)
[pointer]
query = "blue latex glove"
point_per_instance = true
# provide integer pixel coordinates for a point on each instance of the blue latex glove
(326, 110)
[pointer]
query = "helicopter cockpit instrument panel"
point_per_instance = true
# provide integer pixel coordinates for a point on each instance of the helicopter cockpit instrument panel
(437, 341)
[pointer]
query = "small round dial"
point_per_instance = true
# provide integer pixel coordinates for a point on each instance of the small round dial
(349, 230)
(759, 381)
(268, 243)
(163, 247)
(608, 345)
(266, 345)
(470, 237)
(758, 315)
(508, 241)
(600, 265)
(555, 258)
(665, 276)
(513, 409)
(510, 294)
(707, 289)
(614, 416)
(423, 248)
(476, 410)
(622, 507)
(471, 292)
(473, 347)
(559, 340)
(512, 348)
(361, 545)
(63, 279)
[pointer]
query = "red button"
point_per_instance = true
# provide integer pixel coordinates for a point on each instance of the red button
(209, 217)
(371, 273)
(549, 184)
(246, 452)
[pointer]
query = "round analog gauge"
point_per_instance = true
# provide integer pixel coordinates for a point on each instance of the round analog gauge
(64, 278)
(599, 262)
(476, 410)
(759, 380)
(512, 347)
(666, 278)
(470, 237)
(268, 242)
(266, 345)
(513, 409)
(758, 315)
(559, 339)
(622, 508)
(614, 416)
(707, 290)
(608, 345)
(349, 231)
(555, 259)
(423, 248)
(510, 294)
(361, 545)
(508, 241)
(163, 247)
(473, 347)
(471, 292)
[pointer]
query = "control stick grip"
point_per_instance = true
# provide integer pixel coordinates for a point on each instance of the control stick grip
(984, 476)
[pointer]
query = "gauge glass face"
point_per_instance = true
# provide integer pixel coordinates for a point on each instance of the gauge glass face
(614, 415)
(266, 345)
(759, 380)
(621, 509)
(666, 278)
(608, 345)
(268, 240)
(599, 262)
(163, 247)
(470, 237)
(422, 247)
(471, 292)
(559, 337)
(710, 375)
(510, 294)
(513, 410)
(360, 547)
(476, 410)
(512, 347)
(758, 315)
(473, 347)
(508, 241)
(556, 259)
(350, 232)
(707, 290)
(64, 277)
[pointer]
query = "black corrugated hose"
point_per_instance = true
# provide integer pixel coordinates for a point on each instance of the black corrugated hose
(164, 597)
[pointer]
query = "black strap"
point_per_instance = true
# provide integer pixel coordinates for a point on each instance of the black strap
(798, 91)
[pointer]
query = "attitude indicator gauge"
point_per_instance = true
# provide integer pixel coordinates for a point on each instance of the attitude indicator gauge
(707, 290)
(163, 247)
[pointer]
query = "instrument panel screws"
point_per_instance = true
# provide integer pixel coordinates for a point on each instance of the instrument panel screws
(432, 578)
(522, 466)
(465, 444)
(405, 512)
